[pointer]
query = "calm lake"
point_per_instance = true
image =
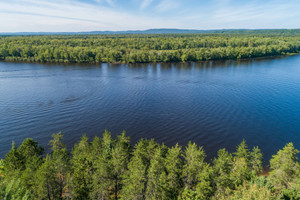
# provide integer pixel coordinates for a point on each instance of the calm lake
(215, 104)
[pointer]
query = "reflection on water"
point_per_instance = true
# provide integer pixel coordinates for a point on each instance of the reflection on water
(215, 104)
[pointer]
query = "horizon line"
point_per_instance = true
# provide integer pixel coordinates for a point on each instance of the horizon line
(178, 29)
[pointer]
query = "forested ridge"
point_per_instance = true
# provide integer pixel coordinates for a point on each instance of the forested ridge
(144, 48)
(110, 168)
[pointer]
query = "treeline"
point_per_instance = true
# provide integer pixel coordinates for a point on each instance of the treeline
(110, 168)
(145, 48)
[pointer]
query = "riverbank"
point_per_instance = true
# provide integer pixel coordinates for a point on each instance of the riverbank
(145, 48)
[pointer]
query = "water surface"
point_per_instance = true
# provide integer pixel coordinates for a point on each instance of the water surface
(215, 104)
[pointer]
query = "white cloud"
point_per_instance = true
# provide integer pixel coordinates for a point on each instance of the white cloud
(166, 5)
(65, 15)
(145, 4)
(70, 15)
(256, 13)
(224, 14)
(110, 2)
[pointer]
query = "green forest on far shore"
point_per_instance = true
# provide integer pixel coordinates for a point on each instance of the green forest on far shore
(111, 168)
(145, 48)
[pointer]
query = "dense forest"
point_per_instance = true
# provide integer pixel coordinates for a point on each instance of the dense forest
(110, 168)
(144, 48)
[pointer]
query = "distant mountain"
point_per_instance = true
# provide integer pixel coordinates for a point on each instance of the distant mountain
(149, 31)
(164, 31)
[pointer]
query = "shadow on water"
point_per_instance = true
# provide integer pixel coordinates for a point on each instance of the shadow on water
(185, 65)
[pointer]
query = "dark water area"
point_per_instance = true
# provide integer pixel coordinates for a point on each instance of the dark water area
(215, 104)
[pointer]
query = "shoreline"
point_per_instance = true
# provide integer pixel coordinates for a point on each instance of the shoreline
(128, 63)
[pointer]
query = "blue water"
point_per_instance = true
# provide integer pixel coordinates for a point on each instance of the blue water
(215, 104)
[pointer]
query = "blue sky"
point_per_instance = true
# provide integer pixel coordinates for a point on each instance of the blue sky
(100, 15)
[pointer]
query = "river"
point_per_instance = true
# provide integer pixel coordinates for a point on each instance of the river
(216, 104)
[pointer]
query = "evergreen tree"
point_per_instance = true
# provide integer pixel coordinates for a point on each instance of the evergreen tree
(120, 159)
(194, 162)
(256, 161)
(157, 177)
(197, 174)
(249, 191)
(82, 170)
(107, 168)
(241, 166)
(29, 148)
(13, 162)
(46, 183)
(174, 167)
(103, 176)
(242, 151)
(284, 167)
(61, 163)
(136, 178)
(222, 166)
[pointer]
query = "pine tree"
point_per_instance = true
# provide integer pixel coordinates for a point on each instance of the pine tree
(119, 161)
(157, 177)
(135, 179)
(56, 143)
(284, 167)
(222, 166)
(102, 179)
(242, 151)
(241, 166)
(31, 154)
(46, 182)
(29, 148)
(174, 167)
(194, 163)
(13, 162)
(82, 170)
(256, 161)
(61, 163)
(197, 174)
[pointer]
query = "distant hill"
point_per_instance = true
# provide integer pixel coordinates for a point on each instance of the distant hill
(165, 31)
(149, 31)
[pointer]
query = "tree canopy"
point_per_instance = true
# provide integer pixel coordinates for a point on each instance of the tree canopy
(110, 168)
(146, 48)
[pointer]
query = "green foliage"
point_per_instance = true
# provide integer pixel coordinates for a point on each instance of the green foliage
(284, 167)
(13, 162)
(14, 190)
(46, 185)
(242, 151)
(102, 183)
(223, 166)
(56, 143)
(147, 48)
(109, 168)
(110, 165)
(241, 169)
(292, 192)
(157, 177)
(256, 161)
(174, 165)
(249, 192)
(120, 159)
(29, 148)
(82, 168)
(135, 179)
(19, 170)
(197, 174)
